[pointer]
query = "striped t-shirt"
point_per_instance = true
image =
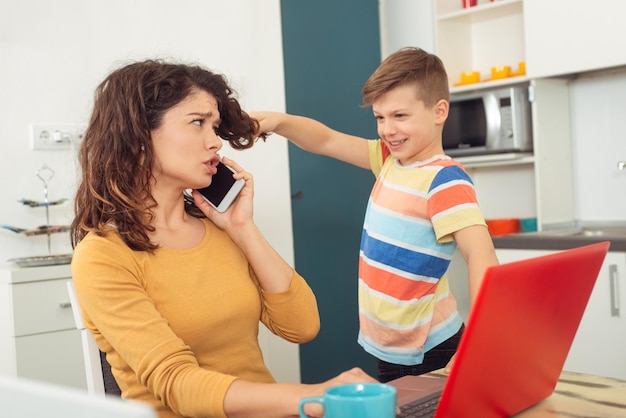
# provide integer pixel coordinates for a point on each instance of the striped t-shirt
(405, 304)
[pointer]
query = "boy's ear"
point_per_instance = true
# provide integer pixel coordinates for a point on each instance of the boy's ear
(441, 111)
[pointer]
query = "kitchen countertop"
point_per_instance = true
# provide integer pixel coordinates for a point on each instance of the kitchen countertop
(13, 274)
(564, 239)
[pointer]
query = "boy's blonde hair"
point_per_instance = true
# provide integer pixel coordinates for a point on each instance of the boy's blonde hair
(409, 66)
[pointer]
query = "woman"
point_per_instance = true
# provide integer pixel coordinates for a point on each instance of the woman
(173, 290)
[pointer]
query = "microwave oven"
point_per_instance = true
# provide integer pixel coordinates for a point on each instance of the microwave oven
(489, 122)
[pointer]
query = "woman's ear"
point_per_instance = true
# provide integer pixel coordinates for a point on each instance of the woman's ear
(441, 111)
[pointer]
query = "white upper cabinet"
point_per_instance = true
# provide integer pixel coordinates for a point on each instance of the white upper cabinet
(564, 36)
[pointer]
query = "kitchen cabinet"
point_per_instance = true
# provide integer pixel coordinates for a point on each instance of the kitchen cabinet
(564, 36)
(38, 338)
(599, 145)
(553, 38)
(601, 337)
(540, 185)
(480, 37)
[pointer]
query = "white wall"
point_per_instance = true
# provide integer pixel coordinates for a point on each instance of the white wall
(406, 23)
(54, 53)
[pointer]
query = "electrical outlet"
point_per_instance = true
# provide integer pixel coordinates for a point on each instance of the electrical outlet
(56, 136)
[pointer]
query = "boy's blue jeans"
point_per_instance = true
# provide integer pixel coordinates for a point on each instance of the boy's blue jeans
(434, 359)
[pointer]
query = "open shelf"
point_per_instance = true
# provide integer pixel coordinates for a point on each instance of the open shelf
(478, 38)
(447, 10)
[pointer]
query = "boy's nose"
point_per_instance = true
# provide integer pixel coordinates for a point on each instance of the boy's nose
(386, 128)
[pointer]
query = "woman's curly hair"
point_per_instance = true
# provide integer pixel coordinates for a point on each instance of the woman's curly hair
(116, 154)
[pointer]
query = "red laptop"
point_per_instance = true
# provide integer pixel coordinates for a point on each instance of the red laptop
(516, 339)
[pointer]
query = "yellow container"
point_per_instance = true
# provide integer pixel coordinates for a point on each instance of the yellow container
(469, 77)
(501, 71)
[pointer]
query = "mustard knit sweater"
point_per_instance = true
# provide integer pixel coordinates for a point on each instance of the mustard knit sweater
(179, 326)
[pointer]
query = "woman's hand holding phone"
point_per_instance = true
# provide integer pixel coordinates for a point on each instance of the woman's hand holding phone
(224, 188)
(227, 201)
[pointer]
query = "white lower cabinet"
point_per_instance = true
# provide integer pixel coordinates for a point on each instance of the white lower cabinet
(38, 338)
(600, 341)
(601, 338)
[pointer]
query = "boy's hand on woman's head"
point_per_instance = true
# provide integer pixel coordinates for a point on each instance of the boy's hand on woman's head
(267, 123)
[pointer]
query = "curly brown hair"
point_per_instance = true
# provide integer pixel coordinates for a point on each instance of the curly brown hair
(409, 66)
(116, 153)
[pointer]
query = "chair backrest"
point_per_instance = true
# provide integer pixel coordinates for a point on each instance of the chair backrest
(91, 352)
(25, 398)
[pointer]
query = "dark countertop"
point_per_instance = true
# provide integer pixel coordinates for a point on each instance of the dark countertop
(560, 240)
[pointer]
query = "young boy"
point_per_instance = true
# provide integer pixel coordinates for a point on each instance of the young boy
(422, 206)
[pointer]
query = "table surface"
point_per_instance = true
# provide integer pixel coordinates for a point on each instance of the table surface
(578, 396)
(582, 395)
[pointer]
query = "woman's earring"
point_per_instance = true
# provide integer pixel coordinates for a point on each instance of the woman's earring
(143, 147)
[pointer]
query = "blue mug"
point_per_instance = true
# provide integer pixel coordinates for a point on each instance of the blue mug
(362, 400)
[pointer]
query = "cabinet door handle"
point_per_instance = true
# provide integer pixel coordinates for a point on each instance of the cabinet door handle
(613, 278)
(65, 305)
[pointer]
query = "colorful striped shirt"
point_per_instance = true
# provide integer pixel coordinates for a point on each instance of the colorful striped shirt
(405, 304)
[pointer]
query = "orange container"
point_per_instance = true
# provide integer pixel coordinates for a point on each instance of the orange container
(503, 226)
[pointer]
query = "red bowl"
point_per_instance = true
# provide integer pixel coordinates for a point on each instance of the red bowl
(503, 226)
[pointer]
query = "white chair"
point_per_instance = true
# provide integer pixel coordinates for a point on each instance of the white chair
(91, 352)
(25, 398)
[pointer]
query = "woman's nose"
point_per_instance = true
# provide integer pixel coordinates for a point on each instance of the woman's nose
(213, 141)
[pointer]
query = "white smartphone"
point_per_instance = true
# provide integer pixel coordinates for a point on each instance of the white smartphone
(223, 189)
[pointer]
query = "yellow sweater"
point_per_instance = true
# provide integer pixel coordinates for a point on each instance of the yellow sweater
(179, 326)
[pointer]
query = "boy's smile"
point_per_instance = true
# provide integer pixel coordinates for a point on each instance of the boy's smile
(411, 130)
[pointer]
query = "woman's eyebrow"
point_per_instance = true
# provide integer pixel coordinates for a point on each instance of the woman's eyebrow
(203, 114)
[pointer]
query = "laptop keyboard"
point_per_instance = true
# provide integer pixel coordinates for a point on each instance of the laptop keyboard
(421, 408)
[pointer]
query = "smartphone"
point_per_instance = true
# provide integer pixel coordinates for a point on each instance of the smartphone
(223, 189)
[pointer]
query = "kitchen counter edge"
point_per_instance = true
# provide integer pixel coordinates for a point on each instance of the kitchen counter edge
(539, 241)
